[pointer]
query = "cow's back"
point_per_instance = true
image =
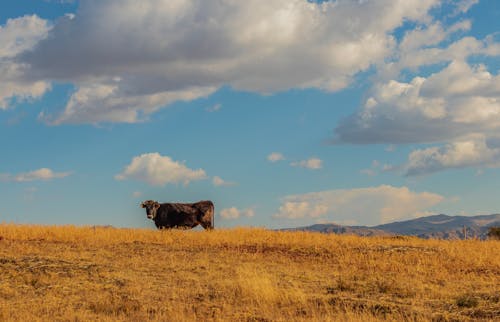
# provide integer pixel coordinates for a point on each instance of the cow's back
(177, 209)
(204, 206)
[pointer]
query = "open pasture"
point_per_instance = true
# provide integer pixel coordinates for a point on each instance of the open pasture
(68, 273)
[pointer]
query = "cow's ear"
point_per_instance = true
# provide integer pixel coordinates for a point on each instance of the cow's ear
(156, 205)
(142, 205)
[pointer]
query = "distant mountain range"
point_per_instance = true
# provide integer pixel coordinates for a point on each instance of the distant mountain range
(437, 226)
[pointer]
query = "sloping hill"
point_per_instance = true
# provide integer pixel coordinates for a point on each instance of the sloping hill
(437, 226)
(443, 226)
(339, 229)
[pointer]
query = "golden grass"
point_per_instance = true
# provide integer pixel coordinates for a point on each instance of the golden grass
(105, 274)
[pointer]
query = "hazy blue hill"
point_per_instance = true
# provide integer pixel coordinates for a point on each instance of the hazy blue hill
(436, 226)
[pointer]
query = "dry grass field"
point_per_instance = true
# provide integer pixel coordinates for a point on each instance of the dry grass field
(106, 274)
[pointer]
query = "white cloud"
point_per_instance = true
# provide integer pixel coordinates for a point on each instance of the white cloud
(298, 208)
(219, 182)
(452, 105)
(158, 170)
(312, 163)
(421, 46)
(368, 206)
(21, 34)
(275, 157)
(457, 101)
(96, 103)
(163, 50)
(12, 86)
(430, 45)
(474, 151)
(235, 213)
(17, 36)
(464, 5)
(43, 174)
(432, 34)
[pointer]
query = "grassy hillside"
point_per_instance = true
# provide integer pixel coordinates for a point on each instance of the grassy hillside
(71, 273)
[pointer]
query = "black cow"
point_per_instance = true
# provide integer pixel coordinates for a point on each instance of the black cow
(180, 215)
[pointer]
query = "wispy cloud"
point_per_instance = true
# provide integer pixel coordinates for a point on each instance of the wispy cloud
(376, 168)
(219, 182)
(275, 157)
(312, 164)
(43, 174)
(235, 213)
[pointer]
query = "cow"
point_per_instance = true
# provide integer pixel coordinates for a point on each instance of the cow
(180, 215)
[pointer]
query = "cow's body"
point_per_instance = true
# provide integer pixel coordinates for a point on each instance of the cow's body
(180, 215)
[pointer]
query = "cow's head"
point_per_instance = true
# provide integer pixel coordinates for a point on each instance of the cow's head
(151, 208)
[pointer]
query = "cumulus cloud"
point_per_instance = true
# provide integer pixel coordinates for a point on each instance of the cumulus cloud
(457, 101)
(219, 182)
(162, 51)
(43, 174)
(17, 36)
(275, 157)
(312, 163)
(235, 213)
(158, 170)
(450, 106)
(475, 151)
(368, 206)
(294, 208)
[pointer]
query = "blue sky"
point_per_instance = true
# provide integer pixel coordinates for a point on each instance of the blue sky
(284, 113)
